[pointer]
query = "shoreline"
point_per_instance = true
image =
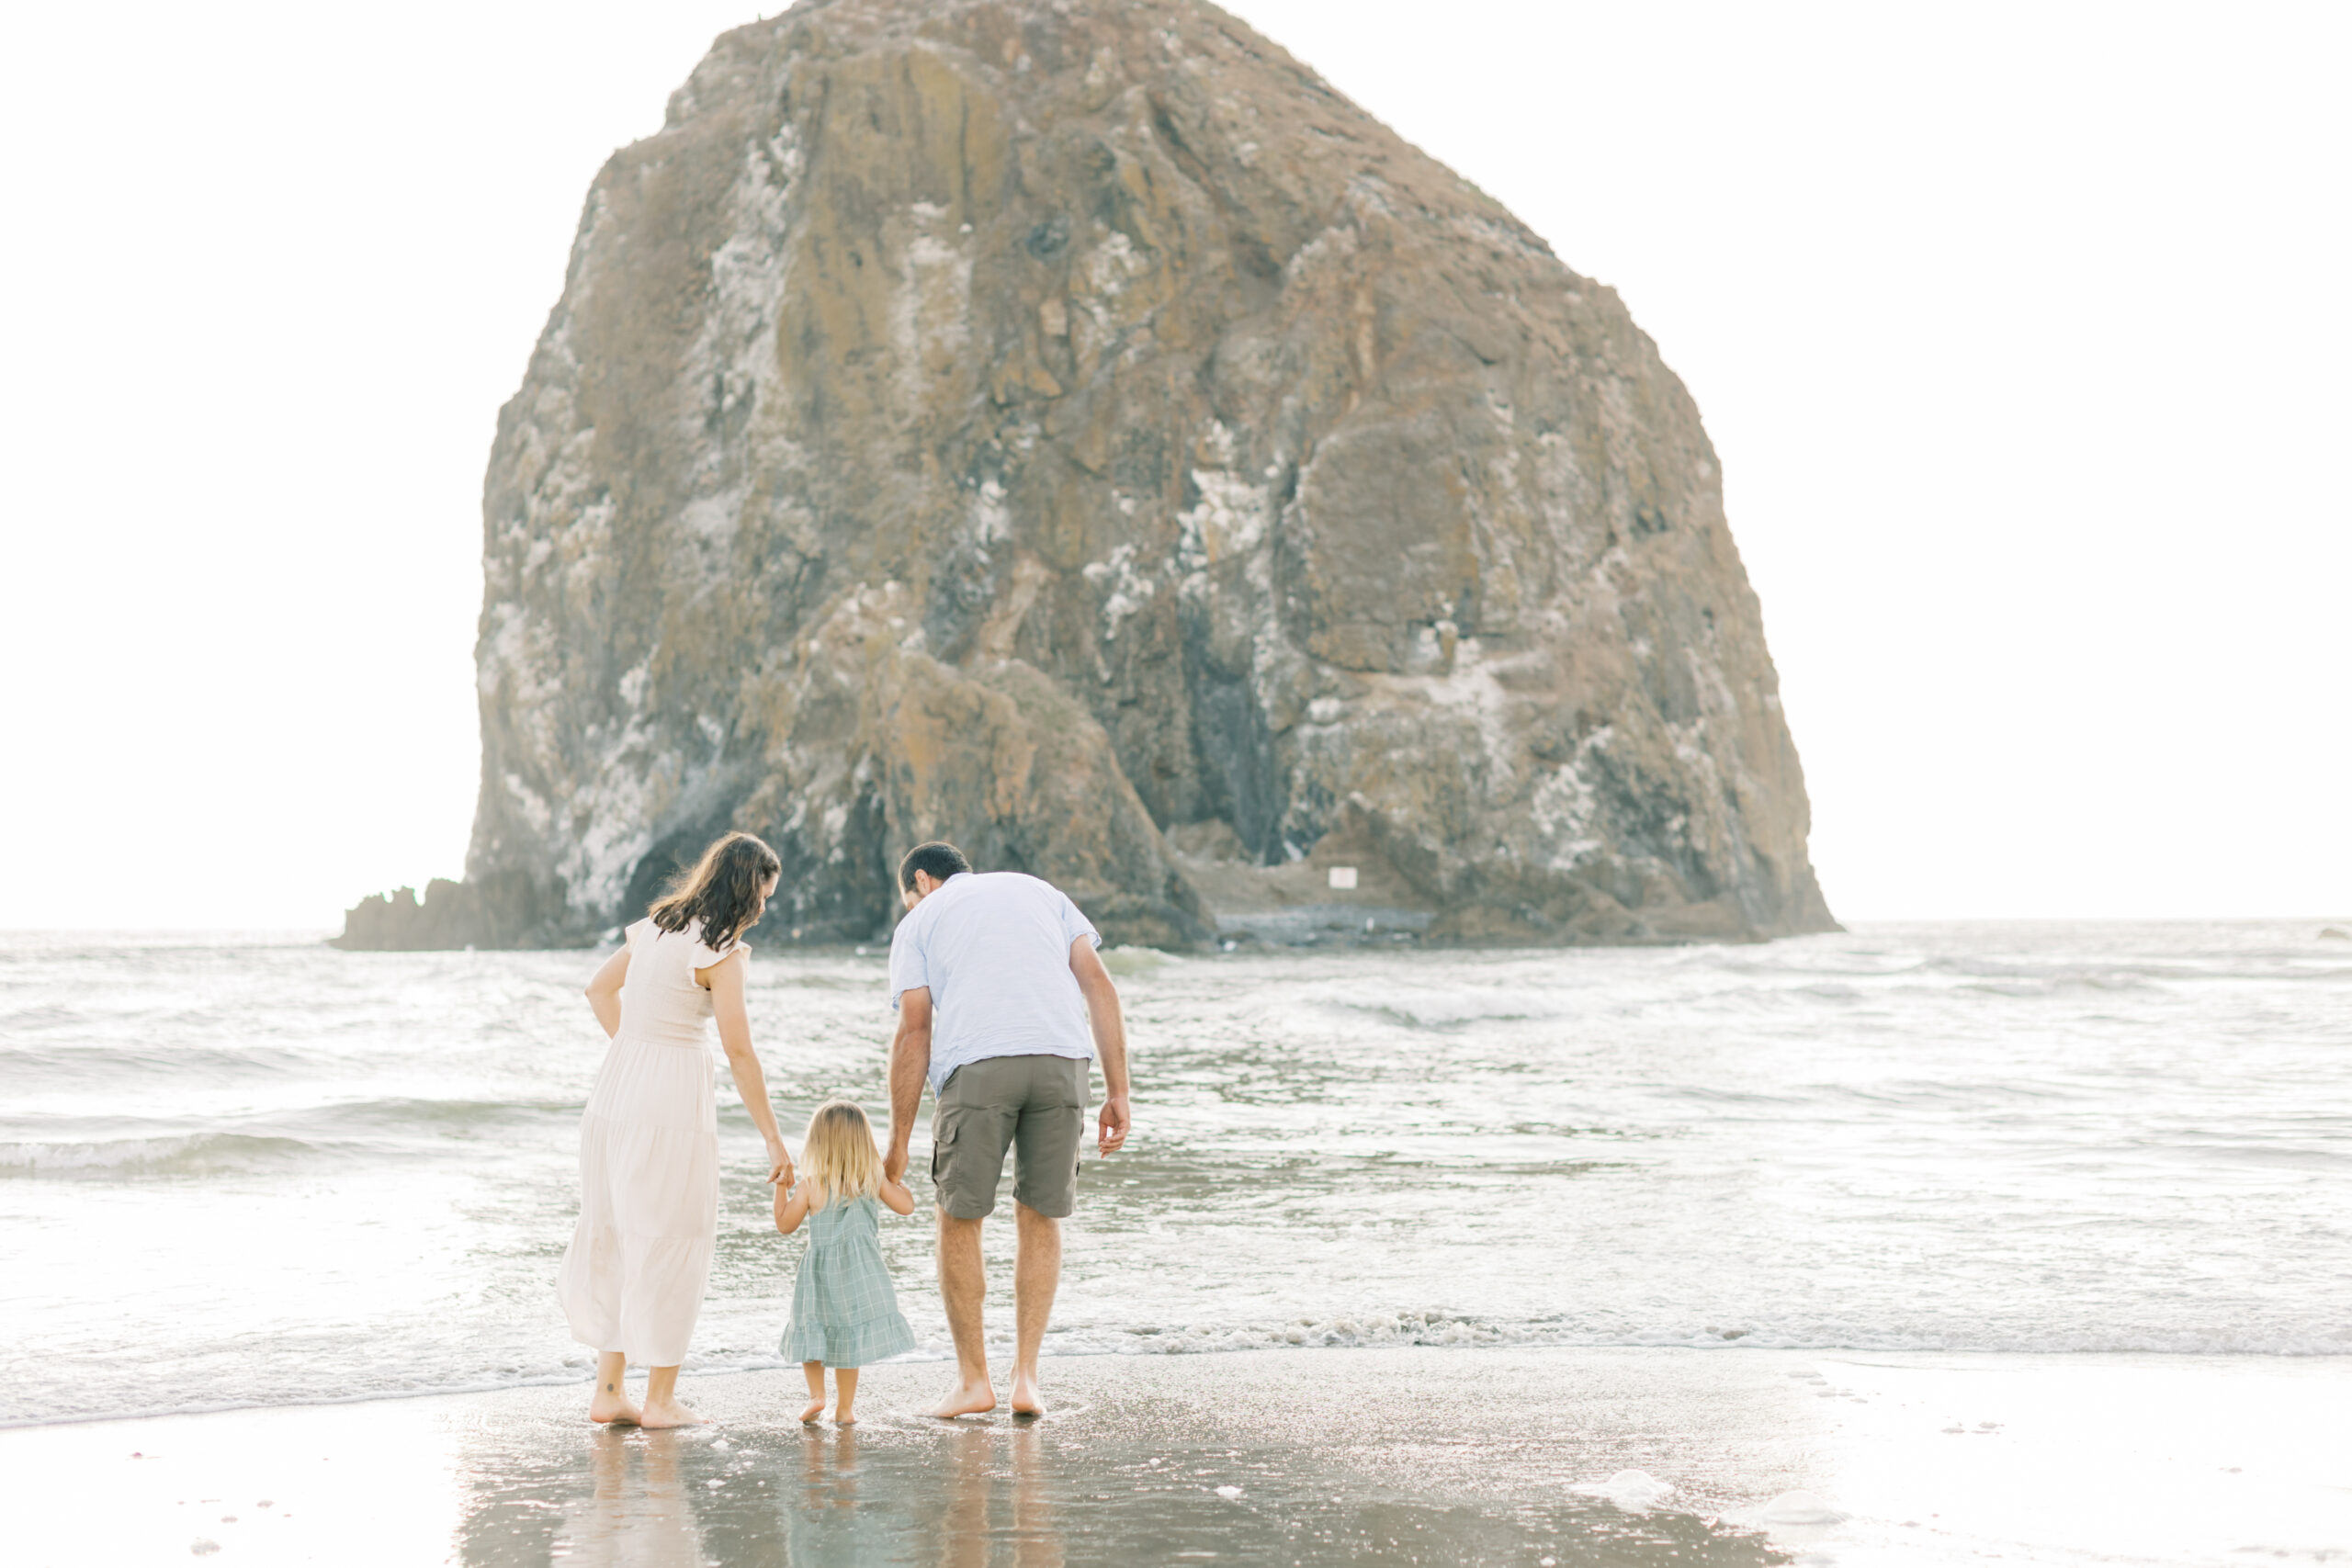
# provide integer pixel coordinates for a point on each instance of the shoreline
(1000, 1354)
(1634, 1456)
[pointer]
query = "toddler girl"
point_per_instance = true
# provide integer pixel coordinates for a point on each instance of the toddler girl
(843, 1312)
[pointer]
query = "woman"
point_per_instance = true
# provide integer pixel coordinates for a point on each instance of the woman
(633, 1277)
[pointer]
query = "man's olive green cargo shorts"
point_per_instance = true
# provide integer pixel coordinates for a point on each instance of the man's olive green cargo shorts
(1036, 1105)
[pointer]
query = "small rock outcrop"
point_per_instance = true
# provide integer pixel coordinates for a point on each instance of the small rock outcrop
(1071, 428)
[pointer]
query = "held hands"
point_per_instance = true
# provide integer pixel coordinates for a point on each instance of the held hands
(1113, 1131)
(780, 1172)
(894, 1163)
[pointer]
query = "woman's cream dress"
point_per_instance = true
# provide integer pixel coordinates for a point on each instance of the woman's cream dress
(633, 1277)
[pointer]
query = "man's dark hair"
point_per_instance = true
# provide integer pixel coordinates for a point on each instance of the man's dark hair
(940, 859)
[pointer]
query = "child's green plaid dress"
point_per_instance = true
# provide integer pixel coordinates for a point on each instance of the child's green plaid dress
(845, 1312)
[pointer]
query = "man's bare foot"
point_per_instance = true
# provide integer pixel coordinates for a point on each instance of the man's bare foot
(1026, 1400)
(664, 1413)
(808, 1416)
(971, 1399)
(615, 1409)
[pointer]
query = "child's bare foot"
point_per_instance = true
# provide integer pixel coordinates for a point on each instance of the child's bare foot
(808, 1416)
(845, 1397)
(661, 1414)
(615, 1409)
(1026, 1400)
(971, 1399)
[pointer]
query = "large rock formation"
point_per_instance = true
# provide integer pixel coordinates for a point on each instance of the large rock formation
(1069, 428)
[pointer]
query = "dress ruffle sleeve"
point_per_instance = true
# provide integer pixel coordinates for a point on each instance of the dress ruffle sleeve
(705, 955)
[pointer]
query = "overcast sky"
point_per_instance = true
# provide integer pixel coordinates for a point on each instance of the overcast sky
(2021, 330)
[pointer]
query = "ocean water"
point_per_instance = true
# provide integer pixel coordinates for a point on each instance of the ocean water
(246, 1170)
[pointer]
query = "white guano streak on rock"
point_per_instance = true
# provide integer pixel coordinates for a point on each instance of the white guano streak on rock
(1106, 269)
(1503, 603)
(529, 803)
(930, 309)
(991, 519)
(613, 817)
(1470, 692)
(1129, 590)
(728, 370)
(1708, 745)
(609, 837)
(1562, 807)
(730, 367)
(1231, 517)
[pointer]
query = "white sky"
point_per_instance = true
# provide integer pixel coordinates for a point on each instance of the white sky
(2022, 331)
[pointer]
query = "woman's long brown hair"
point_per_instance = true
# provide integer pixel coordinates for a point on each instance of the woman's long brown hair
(722, 891)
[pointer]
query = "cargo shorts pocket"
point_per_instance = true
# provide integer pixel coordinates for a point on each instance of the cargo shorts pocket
(942, 1146)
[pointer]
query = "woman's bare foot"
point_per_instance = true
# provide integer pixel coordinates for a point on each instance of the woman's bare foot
(610, 1404)
(842, 1418)
(665, 1413)
(971, 1399)
(615, 1409)
(808, 1416)
(1026, 1400)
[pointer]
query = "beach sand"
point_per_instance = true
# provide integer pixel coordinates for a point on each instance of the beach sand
(1379, 1456)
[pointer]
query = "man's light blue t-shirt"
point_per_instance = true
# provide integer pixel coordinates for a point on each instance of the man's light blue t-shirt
(994, 950)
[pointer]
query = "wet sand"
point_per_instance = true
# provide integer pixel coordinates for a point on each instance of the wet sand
(1391, 1456)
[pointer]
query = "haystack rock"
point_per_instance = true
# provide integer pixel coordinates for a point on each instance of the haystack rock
(1070, 428)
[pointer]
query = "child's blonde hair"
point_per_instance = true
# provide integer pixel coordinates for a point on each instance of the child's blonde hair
(838, 1158)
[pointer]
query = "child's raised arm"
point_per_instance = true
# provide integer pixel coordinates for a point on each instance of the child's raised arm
(791, 1208)
(897, 1196)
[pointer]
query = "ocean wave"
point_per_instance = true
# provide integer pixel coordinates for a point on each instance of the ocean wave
(90, 1062)
(76, 1148)
(1845, 978)
(1437, 1010)
(118, 1159)
(117, 944)
(39, 1018)
(2290, 1156)
(1374, 1330)
(440, 1115)
(1129, 962)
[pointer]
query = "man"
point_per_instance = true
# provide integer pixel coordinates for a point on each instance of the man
(999, 987)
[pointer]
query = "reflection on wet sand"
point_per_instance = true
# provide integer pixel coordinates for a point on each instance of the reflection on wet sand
(828, 1524)
(971, 1495)
(1001, 1495)
(974, 1497)
(1351, 1458)
(637, 1514)
(998, 1517)
(965, 1496)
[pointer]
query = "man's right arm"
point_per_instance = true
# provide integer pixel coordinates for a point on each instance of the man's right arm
(910, 1066)
(1110, 1028)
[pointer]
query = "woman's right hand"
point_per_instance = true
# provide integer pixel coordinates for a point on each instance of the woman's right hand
(780, 1171)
